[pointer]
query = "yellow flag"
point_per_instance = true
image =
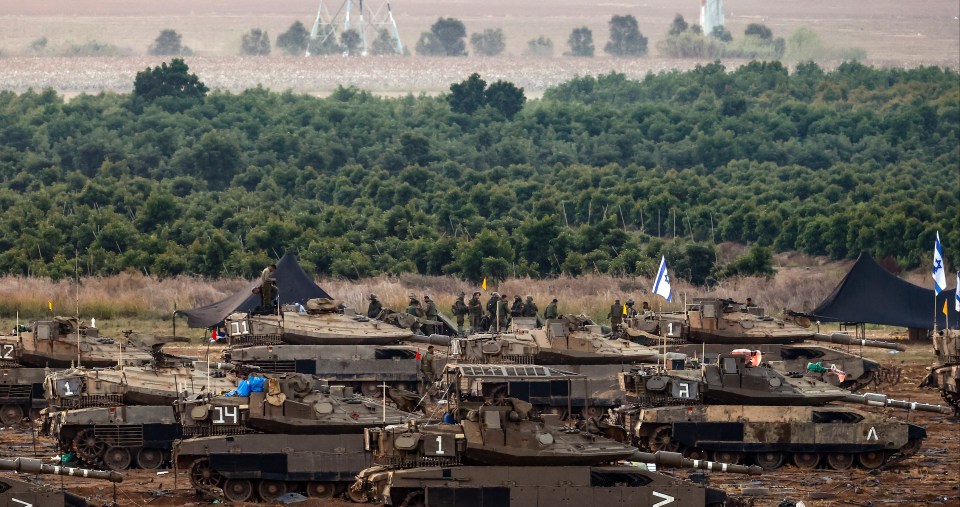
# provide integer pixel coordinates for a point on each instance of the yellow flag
(484, 285)
(945, 307)
(624, 309)
(50, 305)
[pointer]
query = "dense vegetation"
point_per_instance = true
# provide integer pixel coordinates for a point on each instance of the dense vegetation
(601, 174)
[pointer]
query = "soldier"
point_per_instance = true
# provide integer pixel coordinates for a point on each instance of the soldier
(503, 314)
(631, 311)
(460, 310)
(616, 315)
(645, 309)
(492, 306)
(427, 375)
(529, 308)
(268, 287)
(475, 307)
(750, 303)
(516, 309)
(414, 307)
(430, 312)
(373, 311)
(551, 311)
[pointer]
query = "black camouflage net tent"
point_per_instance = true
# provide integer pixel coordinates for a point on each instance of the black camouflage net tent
(870, 294)
(294, 287)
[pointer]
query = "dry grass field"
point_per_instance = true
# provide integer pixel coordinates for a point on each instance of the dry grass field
(893, 33)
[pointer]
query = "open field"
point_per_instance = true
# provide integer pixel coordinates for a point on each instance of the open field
(892, 33)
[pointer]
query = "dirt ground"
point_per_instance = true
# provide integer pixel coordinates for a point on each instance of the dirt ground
(893, 33)
(930, 478)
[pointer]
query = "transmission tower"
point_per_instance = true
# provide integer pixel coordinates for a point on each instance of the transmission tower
(328, 25)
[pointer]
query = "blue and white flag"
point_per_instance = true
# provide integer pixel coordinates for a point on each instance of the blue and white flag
(662, 285)
(939, 277)
(956, 294)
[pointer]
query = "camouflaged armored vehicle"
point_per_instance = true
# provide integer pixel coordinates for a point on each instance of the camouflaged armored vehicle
(741, 410)
(507, 453)
(61, 342)
(711, 326)
(319, 452)
(17, 493)
(21, 394)
(568, 340)
(945, 372)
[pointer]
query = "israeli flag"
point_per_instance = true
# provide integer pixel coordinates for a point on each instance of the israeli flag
(662, 285)
(956, 296)
(939, 277)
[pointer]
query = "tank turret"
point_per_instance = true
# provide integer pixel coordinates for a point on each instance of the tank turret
(711, 326)
(59, 342)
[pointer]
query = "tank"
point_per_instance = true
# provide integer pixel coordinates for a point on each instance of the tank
(945, 372)
(711, 326)
(60, 342)
(568, 340)
(117, 437)
(21, 394)
(17, 493)
(741, 410)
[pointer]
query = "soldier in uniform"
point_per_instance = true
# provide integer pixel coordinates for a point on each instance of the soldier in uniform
(503, 314)
(551, 311)
(631, 311)
(529, 308)
(427, 375)
(414, 307)
(430, 313)
(268, 287)
(616, 315)
(475, 307)
(373, 311)
(516, 309)
(460, 310)
(492, 308)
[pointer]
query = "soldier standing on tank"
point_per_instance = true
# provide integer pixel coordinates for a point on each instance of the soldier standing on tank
(503, 314)
(616, 316)
(430, 312)
(516, 309)
(529, 308)
(427, 375)
(475, 307)
(268, 287)
(631, 311)
(492, 309)
(460, 310)
(373, 311)
(414, 307)
(551, 311)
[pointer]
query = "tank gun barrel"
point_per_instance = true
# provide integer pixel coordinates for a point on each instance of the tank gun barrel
(35, 466)
(845, 339)
(676, 460)
(882, 400)
(434, 339)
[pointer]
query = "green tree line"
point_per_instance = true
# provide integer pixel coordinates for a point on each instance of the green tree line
(602, 174)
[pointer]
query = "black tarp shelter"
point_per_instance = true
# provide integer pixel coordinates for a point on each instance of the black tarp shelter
(293, 284)
(871, 294)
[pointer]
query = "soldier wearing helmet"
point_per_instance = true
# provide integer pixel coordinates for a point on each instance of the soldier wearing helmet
(373, 311)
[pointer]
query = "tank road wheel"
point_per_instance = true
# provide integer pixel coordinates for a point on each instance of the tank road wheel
(414, 499)
(872, 460)
(769, 460)
(237, 490)
(694, 453)
(591, 411)
(202, 475)
(11, 414)
(662, 440)
(88, 446)
(840, 460)
(149, 458)
(732, 457)
(117, 458)
(371, 389)
(357, 495)
(271, 490)
(806, 460)
(912, 447)
(319, 489)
